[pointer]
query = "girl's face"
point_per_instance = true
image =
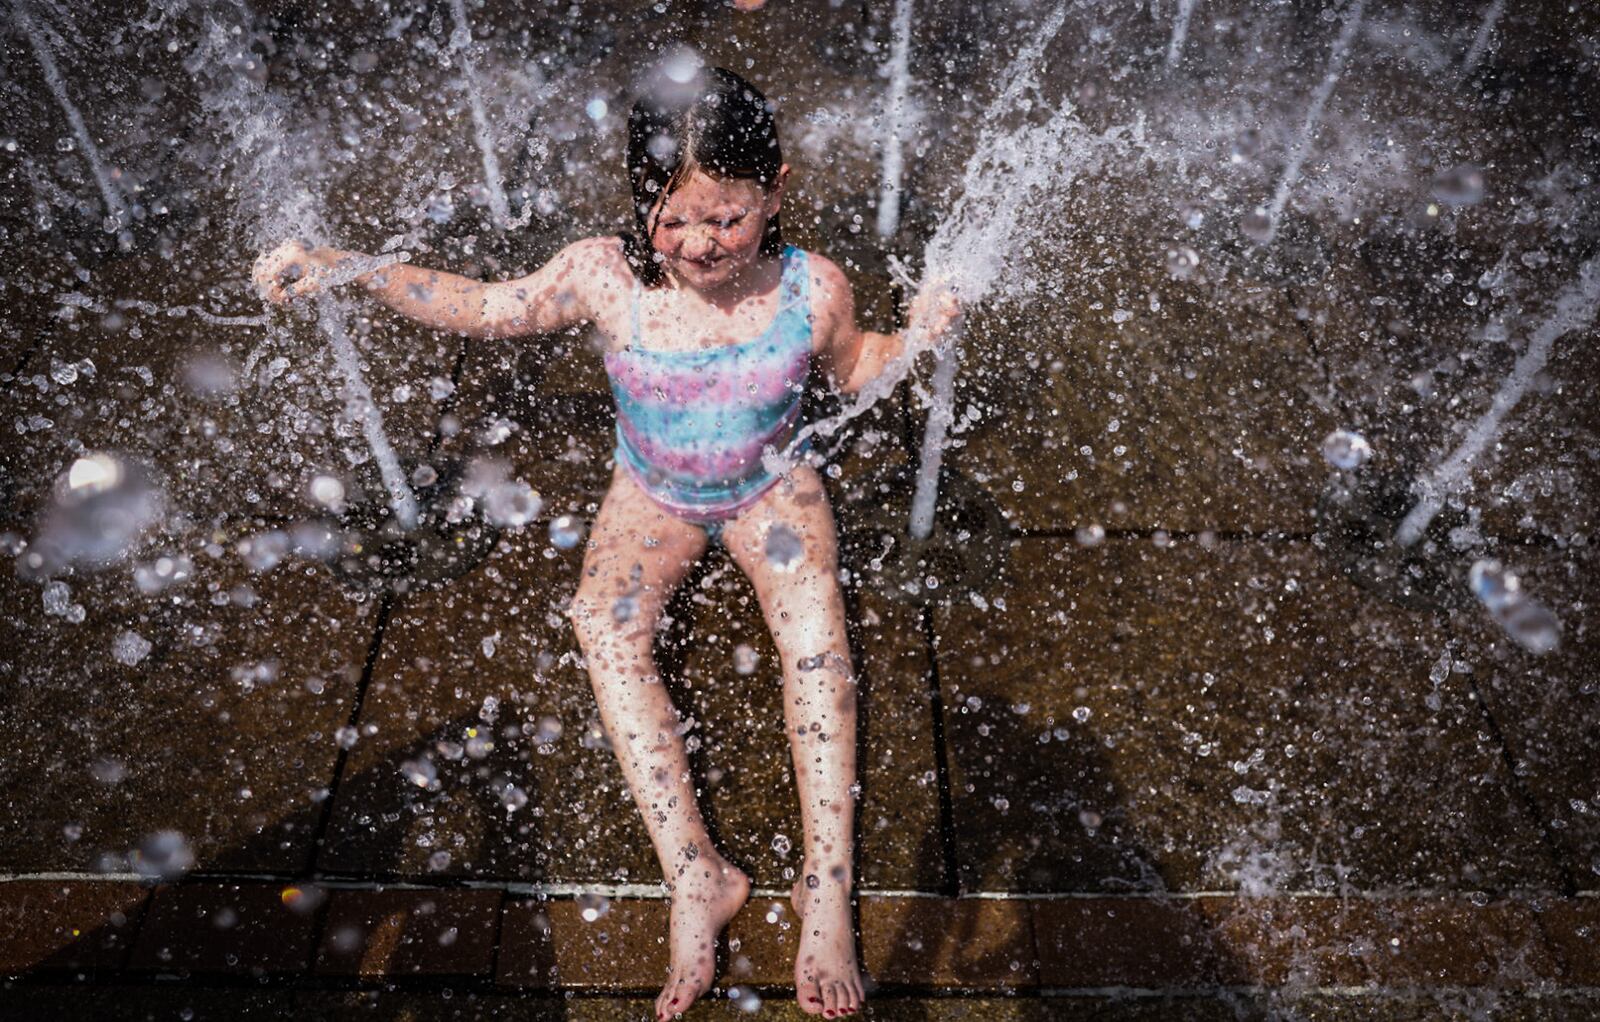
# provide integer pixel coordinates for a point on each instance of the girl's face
(709, 230)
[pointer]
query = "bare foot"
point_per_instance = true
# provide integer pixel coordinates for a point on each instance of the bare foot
(705, 896)
(827, 980)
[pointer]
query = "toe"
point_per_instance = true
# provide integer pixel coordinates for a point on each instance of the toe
(830, 999)
(809, 995)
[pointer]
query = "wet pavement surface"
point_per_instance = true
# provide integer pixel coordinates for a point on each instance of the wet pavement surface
(1161, 734)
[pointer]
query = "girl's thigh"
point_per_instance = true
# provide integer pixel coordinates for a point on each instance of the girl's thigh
(787, 546)
(636, 551)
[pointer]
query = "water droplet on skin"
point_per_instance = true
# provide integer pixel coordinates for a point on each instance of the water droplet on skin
(784, 549)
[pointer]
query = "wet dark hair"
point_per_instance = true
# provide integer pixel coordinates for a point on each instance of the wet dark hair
(717, 123)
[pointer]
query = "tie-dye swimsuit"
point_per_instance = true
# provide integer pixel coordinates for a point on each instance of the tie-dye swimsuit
(692, 425)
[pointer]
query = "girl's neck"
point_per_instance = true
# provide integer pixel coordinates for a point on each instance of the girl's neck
(762, 276)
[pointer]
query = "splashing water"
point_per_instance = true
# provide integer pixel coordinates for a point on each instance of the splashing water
(1180, 30)
(1533, 626)
(899, 85)
(1254, 227)
(494, 187)
(361, 407)
(1004, 179)
(103, 505)
(1480, 42)
(1009, 174)
(255, 127)
(1346, 450)
(116, 208)
(1575, 309)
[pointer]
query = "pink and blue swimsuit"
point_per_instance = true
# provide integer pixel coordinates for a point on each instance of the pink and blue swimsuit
(692, 425)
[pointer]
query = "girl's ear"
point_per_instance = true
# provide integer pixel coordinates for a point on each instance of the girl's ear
(775, 193)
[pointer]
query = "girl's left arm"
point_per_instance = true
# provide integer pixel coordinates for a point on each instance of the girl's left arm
(854, 357)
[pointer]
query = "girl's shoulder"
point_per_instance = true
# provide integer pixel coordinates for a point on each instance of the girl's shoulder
(830, 288)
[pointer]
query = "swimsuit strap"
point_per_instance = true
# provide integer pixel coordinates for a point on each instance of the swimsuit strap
(795, 285)
(638, 291)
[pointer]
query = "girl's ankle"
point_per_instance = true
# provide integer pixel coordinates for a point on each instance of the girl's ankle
(818, 874)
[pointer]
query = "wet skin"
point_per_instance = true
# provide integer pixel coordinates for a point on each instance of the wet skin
(719, 290)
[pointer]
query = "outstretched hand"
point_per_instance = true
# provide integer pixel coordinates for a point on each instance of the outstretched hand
(292, 270)
(934, 312)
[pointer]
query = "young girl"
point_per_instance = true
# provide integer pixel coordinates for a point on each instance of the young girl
(711, 327)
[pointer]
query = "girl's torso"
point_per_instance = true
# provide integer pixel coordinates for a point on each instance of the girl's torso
(697, 407)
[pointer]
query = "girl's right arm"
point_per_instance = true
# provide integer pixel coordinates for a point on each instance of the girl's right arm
(551, 298)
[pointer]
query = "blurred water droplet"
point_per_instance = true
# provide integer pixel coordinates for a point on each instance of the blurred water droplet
(164, 855)
(745, 999)
(327, 491)
(511, 505)
(1182, 262)
(781, 845)
(784, 549)
(1461, 185)
(108, 771)
(129, 647)
(420, 772)
(565, 532)
(264, 551)
(1346, 450)
(592, 906)
(745, 659)
(1257, 226)
(1089, 535)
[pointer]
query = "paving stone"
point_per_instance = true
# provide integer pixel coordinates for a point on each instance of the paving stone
(1570, 926)
(222, 730)
(1183, 429)
(409, 933)
(1232, 716)
(1137, 942)
(244, 929)
(983, 944)
(552, 944)
(497, 634)
(74, 925)
(153, 1002)
(1298, 942)
(1454, 942)
(1546, 707)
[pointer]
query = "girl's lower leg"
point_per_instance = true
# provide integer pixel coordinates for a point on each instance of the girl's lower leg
(820, 714)
(706, 891)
